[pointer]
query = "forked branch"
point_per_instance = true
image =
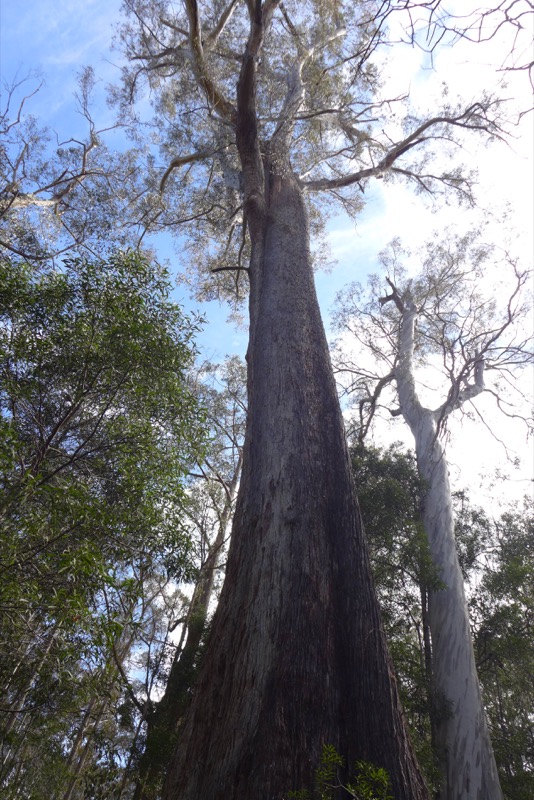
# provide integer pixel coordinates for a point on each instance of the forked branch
(473, 118)
(218, 102)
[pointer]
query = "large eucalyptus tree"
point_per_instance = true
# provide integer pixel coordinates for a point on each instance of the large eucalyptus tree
(259, 107)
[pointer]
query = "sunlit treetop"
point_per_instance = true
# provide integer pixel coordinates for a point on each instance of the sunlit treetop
(242, 91)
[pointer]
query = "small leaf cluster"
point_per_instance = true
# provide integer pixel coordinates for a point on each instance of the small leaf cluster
(369, 782)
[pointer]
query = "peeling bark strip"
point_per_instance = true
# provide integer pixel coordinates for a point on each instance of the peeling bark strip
(462, 737)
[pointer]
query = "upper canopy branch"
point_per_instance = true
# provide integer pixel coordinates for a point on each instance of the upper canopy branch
(473, 118)
(393, 296)
(180, 161)
(369, 403)
(410, 404)
(212, 37)
(218, 102)
(53, 192)
(295, 95)
(247, 138)
(461, 391)
(437, 23)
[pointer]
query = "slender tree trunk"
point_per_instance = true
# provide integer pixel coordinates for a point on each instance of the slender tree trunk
(428, 669)
(16, 711)
(78, 739)
(16, 717)
(127, 784)
(462, 737)
(10, 679)
(16, 785)
(83, 755)
(296, 656)
(163, 723)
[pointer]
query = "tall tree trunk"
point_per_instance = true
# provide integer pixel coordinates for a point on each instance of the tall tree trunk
(462, 738)
(296, 656)
(82, 754)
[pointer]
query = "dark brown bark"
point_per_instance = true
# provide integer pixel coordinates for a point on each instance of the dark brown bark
(296, 656)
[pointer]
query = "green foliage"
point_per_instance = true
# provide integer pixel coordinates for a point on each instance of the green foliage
(497, 558)
(97, 422)
(389, 491)
(369, 782)
(503, 611)
(98, 427)
(326, 776)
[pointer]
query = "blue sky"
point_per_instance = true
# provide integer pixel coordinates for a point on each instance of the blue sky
(53, 41)
(56, 38)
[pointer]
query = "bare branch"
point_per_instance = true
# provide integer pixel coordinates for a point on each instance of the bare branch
(438, 24)
(212, 37)
(393, 296)
(371, 403)
(475, 117)
(180, 161)
(230, 269)
(458, 396)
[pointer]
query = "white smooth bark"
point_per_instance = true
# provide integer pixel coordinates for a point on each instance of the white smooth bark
(466, 754)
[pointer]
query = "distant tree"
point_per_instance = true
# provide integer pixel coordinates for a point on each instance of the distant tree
(430, 23)
(212, 490)
(390, 495)
(441, 317)
(502, 607)
(65, 196)
(497, 562)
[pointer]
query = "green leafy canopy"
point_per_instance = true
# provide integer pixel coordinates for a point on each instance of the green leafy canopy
(98, 425)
